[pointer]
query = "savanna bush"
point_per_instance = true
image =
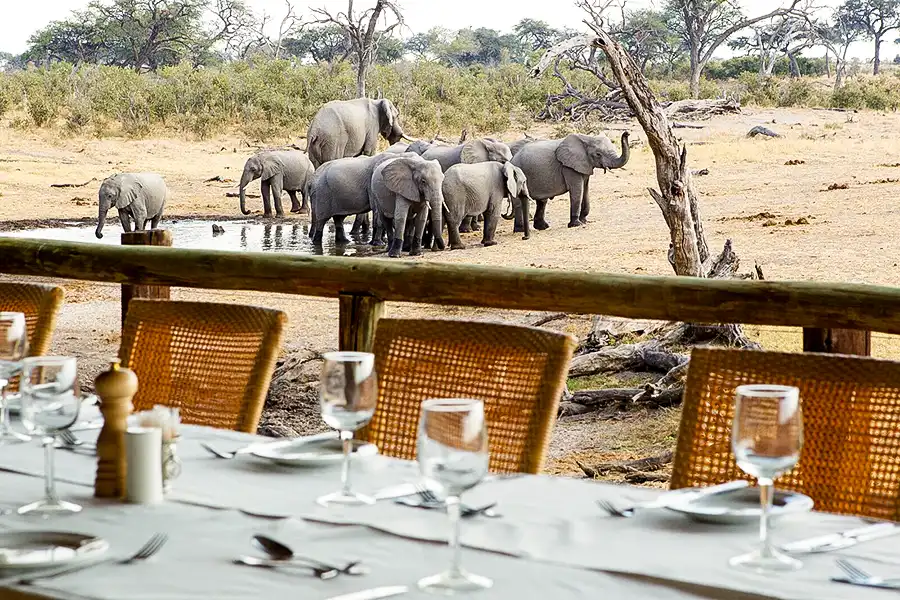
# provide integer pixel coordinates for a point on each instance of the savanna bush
(881, 92)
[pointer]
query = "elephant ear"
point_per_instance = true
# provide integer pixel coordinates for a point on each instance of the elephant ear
(521, 181)
(128, 191)
(572, 153)
(398, 177)
(385, 116)
(509, 172)
(271, 166)
(474, 151)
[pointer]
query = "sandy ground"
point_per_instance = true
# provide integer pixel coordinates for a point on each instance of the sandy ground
(851, 235)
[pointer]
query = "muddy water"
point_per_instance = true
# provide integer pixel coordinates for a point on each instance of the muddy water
(245, 236)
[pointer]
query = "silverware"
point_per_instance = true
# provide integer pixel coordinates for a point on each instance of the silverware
(252, 561)
(466, 512)
(858, 576)
(400, 491)
(283, 553)
(373, 594)
(663, 500)
(153, 545)
(838, 541)
(225, 454)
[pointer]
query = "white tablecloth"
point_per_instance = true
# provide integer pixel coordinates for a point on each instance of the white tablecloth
(551, 542)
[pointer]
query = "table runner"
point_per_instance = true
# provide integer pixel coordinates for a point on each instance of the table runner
(553, 520)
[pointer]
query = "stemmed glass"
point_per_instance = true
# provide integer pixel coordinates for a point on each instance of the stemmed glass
(453, 456)
(347, 395)
(13, 348)
(766, 438)
(50, 405)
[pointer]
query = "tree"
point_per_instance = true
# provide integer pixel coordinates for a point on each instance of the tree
(837, 37)
(429, 45)
(781, 36)
(649, 40)
(363, 33)
(322, 43)
(77, 40)
(873, 19)
(704, 25)
(536, 35)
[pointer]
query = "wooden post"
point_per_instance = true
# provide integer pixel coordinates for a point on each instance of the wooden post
(359, 314)
(838, 341)
(154, 237)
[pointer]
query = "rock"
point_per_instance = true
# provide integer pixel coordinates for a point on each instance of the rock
(802, 221)
(760, 130)
(770, 223)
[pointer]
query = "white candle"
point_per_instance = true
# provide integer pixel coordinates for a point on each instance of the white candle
(143, 451)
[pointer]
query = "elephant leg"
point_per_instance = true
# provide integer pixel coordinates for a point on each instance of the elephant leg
(276, 196)
(518, 223)
(575, 183)
(387, 231)
(317, 231)
(415, 249)
(585, 201)
(491, 220)
(125, 218)
(360, 224)
(340, 236)
(456, 242)
(401, 210)
(266, 189)
(154, 222)
(428, 237)
(540, 223)
(522, 209)
(466, 225)
(295, 203)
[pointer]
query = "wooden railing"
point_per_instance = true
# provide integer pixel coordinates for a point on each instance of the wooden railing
(363, 285)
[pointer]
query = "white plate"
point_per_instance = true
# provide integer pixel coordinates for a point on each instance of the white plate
(740, 506)
(41, 549)
(312, 451)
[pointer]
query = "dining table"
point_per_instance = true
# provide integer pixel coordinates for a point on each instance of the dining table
(549, 539)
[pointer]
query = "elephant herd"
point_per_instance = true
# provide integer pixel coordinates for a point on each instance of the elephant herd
(413, 190)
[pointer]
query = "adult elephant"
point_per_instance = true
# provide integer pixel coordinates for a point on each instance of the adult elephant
(479, 189)
(404, 186)
(138, 197)
(517, 145)
(345, 128)
(554, 167)
(340, 188)
(287, 170)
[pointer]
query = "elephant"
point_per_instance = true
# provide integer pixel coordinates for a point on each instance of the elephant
(346, 128)
(398, 148)
(340, 188)
(279, 170)
(139, 197)
(473, 151)
(399, 185)
(419, 147)
(471, 190)
(554, 167)
(517, 145)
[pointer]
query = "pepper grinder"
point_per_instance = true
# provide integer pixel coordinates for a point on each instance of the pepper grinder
(115, 387)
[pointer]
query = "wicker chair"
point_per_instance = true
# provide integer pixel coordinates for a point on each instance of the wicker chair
(850, 463)
(519, 372)
(40, 304)
(212, 361)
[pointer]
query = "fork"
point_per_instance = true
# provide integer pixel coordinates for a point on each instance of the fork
(153, 545)
(431, 500)
(858, 575)
(222, 453)
(614, 511)
(69, 439)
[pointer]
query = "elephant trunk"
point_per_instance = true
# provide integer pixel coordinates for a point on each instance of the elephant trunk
(626, 154)
(511, 214)
(437, 225)
(101, 221)
(246, 178)
(396, 134)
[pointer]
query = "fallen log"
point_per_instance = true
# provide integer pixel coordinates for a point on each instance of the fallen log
(237, 195)
(677, 125)
(72, 185)
(641, 465)
(764, 131)
(549, 319)
(641, 477)
(643, 356)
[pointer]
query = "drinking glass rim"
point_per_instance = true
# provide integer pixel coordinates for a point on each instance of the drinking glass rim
(342, 356)
(450, 404)
(765, 390)
(47, 361)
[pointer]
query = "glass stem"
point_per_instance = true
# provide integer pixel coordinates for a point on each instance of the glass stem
(766, 493)
(347, 442)
(4, 407)
(453, 511)
(49, 480)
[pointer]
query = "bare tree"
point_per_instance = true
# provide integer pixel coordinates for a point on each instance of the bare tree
(704, 25)
(363, 32)
(836, 37)
(874, 19)
(786, 36)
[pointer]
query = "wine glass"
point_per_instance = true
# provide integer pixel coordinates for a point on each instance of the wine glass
(13, 348)
(766, 438)
(347, 395)
(50, 405)
(453, 457)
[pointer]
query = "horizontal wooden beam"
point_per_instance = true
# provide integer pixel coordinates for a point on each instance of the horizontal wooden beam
(800, 304)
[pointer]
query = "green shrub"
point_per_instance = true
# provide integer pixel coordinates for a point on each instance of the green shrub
(876, 93)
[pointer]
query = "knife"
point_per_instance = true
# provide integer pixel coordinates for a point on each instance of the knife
(872, 583)
(834, 541)
(373, 594)
(694, 493)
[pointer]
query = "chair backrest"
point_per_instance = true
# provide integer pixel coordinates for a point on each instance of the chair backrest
(519, 373)
(212, 361)
(40, 304)
(850, 463)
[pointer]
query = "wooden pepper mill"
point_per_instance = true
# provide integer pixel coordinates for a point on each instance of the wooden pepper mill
(115, 387)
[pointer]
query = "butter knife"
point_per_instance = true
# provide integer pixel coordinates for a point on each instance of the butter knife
(834, 541)
(373, 594)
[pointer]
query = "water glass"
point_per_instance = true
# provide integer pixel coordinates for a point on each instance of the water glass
(348, 392)
(453, 457)
(766, 438)
(13, 348)
(50, 405)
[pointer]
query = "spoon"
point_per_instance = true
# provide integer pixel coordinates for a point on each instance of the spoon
(253, 561)
(282, 553)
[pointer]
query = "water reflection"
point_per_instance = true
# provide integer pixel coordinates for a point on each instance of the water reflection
(235, 235)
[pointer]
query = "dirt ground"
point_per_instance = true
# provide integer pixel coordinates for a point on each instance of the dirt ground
(848, 234)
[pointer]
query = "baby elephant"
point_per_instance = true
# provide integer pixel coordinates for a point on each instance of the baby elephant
(471, 190)
(287, 170)
(139, 197)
